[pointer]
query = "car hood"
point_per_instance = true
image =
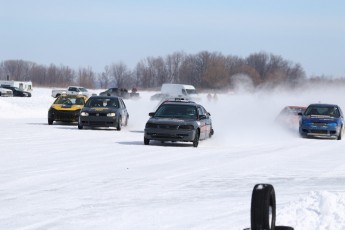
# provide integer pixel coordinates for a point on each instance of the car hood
(172, 121)
(320, 119)
(62, 107)
(98, 110)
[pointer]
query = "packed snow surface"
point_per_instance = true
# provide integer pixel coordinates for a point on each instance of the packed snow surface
(60, 177)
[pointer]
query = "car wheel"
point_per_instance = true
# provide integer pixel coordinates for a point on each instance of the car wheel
(80, 126)
(50, 121)
(57, 95)
(283, 228)
(127, 120)
(119, 124)
(196, 139)
(340, 134)
(211, 133)
(146, 141)
(263, 207)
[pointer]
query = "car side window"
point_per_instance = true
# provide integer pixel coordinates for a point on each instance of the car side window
(200, 111)
(123, 105)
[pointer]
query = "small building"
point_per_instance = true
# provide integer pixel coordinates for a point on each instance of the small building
(24, 85)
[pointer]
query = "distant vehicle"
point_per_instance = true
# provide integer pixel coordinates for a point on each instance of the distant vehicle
(6, 92)
(179, 120)
(159, 96)
(104, 111)
(66, 108)
(117, 92)
(323, 121)
(17, 92)
(180, 90)
(71, 90)
(120, 92)
(288, 116)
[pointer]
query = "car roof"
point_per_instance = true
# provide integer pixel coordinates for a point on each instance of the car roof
(324, 105)
(178, 101)
(105, 97)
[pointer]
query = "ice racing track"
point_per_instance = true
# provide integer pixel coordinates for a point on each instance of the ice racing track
(59, 177)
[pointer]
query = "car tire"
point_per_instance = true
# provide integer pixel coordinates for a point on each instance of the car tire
(119, 124)
(263, 207)
(57, 95)
(211, 133)
(340, 134)
(146, 141)
(127, 121)
(80, 126)
(283, 228)
(196, 139)
(50, 121)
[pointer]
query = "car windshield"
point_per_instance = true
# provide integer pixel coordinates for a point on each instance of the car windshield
(191, 91)
(70, 101)
(330, 111)
(177, 111)
(83, 89)
(103, 102)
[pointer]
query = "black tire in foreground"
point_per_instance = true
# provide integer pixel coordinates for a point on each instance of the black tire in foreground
(146, 141)
(284, 228)
(119, 124)
(50, 121)
(196, 139)
(263, 207)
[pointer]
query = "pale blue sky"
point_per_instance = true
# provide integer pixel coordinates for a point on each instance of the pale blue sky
(82, 33)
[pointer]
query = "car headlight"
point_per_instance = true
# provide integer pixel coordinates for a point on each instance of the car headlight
(111, 114)
(333, 124)
(186, 127)
(307, 122)
(84, 114)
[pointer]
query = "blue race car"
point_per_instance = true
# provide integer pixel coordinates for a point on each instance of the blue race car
(322, 121)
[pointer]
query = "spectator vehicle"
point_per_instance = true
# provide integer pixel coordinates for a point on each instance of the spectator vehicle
(66, 108)
(323, 121)
(289, 117)
(178, 120)
(17, 92)
(6, 92)
(71, 90)
(104, 111)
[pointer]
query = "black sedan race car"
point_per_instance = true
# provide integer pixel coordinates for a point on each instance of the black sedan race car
(66, 108)
(178, 120)
(103, 111)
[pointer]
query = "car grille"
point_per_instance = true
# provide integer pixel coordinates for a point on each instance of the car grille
(162, 126)
(318, 131)
(97, 114)
(65, 115)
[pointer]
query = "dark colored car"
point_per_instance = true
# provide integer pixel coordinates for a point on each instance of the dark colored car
(17, 92)
(66, 108)
(323, 121)
(117, 92)
(178, 120)
(104, 111)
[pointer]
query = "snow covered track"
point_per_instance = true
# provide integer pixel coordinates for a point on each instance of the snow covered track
(59, 177)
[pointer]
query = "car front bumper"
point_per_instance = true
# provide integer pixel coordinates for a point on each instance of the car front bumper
(98, 121)
(319, 131)
(61, 115)
(169, 135)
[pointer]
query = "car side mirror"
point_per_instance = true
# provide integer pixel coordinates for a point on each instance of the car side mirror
(201, 117)
(208, 114)
(300, 114)
(151, 114)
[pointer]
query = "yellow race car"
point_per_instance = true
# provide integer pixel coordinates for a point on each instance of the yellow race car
(66, 108)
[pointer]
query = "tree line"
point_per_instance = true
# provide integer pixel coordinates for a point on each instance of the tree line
(204, 70)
